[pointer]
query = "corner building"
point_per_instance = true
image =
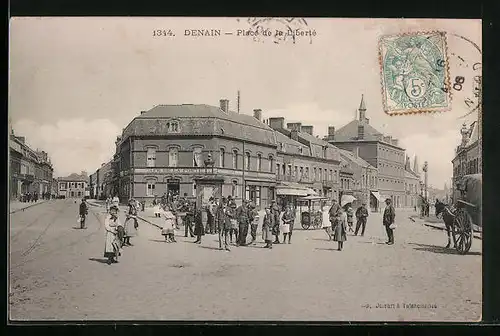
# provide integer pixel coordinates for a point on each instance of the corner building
(168, 149)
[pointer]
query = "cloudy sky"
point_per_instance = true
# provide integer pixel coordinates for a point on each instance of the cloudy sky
(76, 82)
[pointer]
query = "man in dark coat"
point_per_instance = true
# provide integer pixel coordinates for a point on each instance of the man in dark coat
(211, 216)
(361, 216)
(83, 213)
(189, 219)
(223, 224)
(275, 211)
(334, 212)
(200, 222)
(388, 220)
(243, 218)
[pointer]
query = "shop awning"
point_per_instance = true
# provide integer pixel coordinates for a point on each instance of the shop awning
(377, 196)
(311, 192)
(290, 191)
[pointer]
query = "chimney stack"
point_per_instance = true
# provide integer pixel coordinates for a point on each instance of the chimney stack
(142, 112)
(277, 123)
(294, 126)
(361, 132)
(331, 133)
(257, 114)
(307, 129)
(224, 105)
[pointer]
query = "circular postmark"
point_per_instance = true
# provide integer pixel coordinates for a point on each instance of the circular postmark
(280, 30)
(465, 68)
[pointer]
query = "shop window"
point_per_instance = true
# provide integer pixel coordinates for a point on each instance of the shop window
(151, 157)
(150, 191)
(173, 157)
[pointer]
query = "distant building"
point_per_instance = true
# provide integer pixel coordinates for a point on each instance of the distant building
(380, 151)
(73, 186)
(467, 158)
(306, 160)
(360, 178)
(101, 186)
(412, 197)
(30, 171)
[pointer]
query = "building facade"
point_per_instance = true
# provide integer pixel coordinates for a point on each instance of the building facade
(198, 150)
(379, 150)
(101, 186)
(30, 171)
(360, 178)
(304, 159)
(73, 186)
(467, 158)
(413, 185)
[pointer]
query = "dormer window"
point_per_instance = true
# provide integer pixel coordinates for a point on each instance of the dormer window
(173, 127)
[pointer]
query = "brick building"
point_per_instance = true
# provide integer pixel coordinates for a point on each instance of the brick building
(30, 171)
(100, 182)
(379, 150)
(198, 150)
(413, 184)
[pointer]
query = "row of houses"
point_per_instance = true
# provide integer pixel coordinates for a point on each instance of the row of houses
(30, 170)
(203, 151)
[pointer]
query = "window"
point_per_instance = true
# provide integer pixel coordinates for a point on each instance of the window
(235, 159)
(320, 174)
(173, 157)
(278, 169)
(296, 170)
(222, 161)
(173, 127)
(150, 191)
(62, 186)
(234, 189)
(315, 173)
(289, 170)
(197, 157)
(259, 162)
(247, 161)
(151, 157)
(271, 163)
(307, 173)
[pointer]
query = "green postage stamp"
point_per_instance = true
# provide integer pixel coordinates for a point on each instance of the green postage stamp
(415, 73)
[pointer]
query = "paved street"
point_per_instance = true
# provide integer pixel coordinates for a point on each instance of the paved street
(58, 273)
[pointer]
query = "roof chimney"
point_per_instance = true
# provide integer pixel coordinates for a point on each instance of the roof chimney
(394, 142)
(277, 123)
(257, 114)
(361, 132)
(331, 133)
(307, 129)
(224, 105)
(142, 112)
(294, 126)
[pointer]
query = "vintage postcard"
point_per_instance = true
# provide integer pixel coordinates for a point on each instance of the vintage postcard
(245, 169)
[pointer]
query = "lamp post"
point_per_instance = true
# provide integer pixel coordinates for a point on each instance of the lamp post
(425, 169)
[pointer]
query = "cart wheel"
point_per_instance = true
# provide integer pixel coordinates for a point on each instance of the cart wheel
(462, 231)
(306, 226)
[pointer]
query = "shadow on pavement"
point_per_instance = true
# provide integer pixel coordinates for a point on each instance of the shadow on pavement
(209, 247)
(158, 240)
(439, 249)
(99, 260)
(325, 249)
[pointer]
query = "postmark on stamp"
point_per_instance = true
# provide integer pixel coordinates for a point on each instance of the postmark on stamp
(415, 73)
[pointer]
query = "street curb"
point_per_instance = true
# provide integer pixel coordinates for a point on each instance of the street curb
(29, 206)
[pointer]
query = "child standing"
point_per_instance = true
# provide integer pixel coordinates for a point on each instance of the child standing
(168, 231)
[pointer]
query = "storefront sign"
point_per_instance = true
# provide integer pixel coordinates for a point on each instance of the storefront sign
(174, 170)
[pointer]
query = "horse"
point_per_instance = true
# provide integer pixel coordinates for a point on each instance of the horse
(447, 212)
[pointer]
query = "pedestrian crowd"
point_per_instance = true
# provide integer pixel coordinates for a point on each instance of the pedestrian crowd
(34, 197)
(233, 224)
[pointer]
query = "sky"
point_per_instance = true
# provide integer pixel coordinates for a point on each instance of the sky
(75, 83)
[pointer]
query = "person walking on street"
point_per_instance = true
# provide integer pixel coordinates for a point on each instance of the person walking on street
(210, 229)
(231, 215)
(113, 245)
(288, 221)
(334, 214)
(388, 221)
(254, 222)
(275, 211)
(350, 215)
(131, 224)
(242, 215)
(189, 219)
(83, 213)
(223, 224)
(201, 220)
(267, 225)
(340, 228)
(361, 216)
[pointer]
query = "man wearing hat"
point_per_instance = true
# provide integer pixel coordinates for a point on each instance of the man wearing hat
(275, 211)
(243, 218)
(254, 222)
(334, 212)
(361, 216)
(388, 220)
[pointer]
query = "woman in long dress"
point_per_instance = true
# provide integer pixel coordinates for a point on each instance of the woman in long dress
(168, 230)
(113, 244)
(288, 219)
(131, 223)
(340, 228)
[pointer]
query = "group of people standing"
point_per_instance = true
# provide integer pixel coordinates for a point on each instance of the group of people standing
(117, 234)
(33, 197)
(341, 221)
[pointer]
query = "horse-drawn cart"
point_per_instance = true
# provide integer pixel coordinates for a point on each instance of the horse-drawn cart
(468, 212)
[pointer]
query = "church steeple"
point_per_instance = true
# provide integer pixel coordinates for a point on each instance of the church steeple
(362, 109)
